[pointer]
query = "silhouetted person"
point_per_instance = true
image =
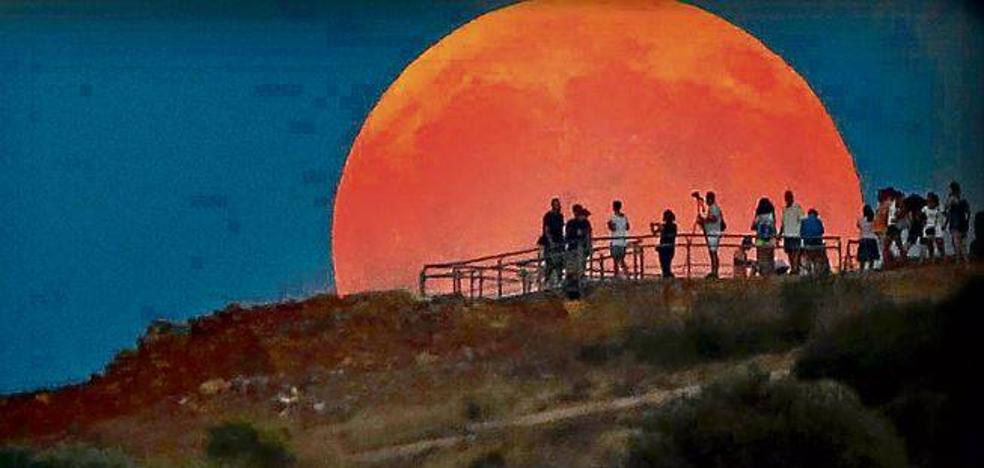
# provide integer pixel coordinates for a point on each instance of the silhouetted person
(764, 227)
(880, 224)
(812, 231)
(667, 231)
(957, 220)
(552, 241)
(712, 223)
(897, 222)
(933, 220)
(618, 225)
(742, 264)
(792, 215)
(913, 223)
(977, 247)
(578, 237)
(868, 246)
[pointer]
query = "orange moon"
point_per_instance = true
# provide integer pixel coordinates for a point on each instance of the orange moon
(589, 101)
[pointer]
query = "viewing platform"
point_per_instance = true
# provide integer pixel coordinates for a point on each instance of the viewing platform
(522, 272)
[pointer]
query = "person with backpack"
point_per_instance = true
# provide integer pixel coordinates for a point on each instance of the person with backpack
(577, 234)
(957, 220)
(712, 222)
(667, 231)
(812, 231)
(619, 227)
(764, 226)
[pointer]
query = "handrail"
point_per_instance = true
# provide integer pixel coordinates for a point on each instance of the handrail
(526, 268)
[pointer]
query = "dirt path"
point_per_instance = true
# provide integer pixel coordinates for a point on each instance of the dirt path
(470, 432)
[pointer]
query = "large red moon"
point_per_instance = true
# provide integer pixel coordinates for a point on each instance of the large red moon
(641, 101)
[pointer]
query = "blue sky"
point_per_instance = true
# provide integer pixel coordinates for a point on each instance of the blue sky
(161, 159)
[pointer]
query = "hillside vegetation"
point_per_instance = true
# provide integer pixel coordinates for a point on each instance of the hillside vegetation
(317, 381)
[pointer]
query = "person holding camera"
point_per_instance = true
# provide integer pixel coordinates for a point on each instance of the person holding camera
(667, 231)
(712, 222)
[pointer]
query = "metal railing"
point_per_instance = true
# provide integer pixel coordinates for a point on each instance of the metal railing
(522, 271)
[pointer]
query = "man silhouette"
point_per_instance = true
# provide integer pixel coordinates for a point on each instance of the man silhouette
(552, 241)
(619, 227)
(792, 215)
(578, 236)
(713, 226)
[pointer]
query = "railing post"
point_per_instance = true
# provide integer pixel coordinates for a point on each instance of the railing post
(498, 277)
(455, 280)
(688, 267)
(423, 282)
(641, 275)
(471, 284)
(601, 265)
(840, 255)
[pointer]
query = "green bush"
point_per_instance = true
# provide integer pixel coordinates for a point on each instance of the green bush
(875, 352)
(719, 326)
(800, 303)
(241, 444)
(489, 460)
(725, 326)
(745, 420)
(63, 456)
(16, 456)
(914, 362)
(600, 353)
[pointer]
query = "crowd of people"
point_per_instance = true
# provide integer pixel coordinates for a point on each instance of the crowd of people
(903, 227)
(888, 234)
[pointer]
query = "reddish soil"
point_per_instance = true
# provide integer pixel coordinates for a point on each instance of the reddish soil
(360, 332)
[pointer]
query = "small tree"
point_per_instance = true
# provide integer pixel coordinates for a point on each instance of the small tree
(748, 421)
(241, 444)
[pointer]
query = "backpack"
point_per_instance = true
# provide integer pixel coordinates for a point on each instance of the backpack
(724, 225)
(766, 231)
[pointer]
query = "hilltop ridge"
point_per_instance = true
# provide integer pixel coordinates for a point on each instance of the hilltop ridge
(329, 362)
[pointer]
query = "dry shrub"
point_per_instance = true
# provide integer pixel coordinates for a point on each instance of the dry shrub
(913, 361)
(745, 420)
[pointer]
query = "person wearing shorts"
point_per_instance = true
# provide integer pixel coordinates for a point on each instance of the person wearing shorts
(619, 227)
(815, 254)
(792, 215)
(868, 245)
(932, 215)
(712, 231)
